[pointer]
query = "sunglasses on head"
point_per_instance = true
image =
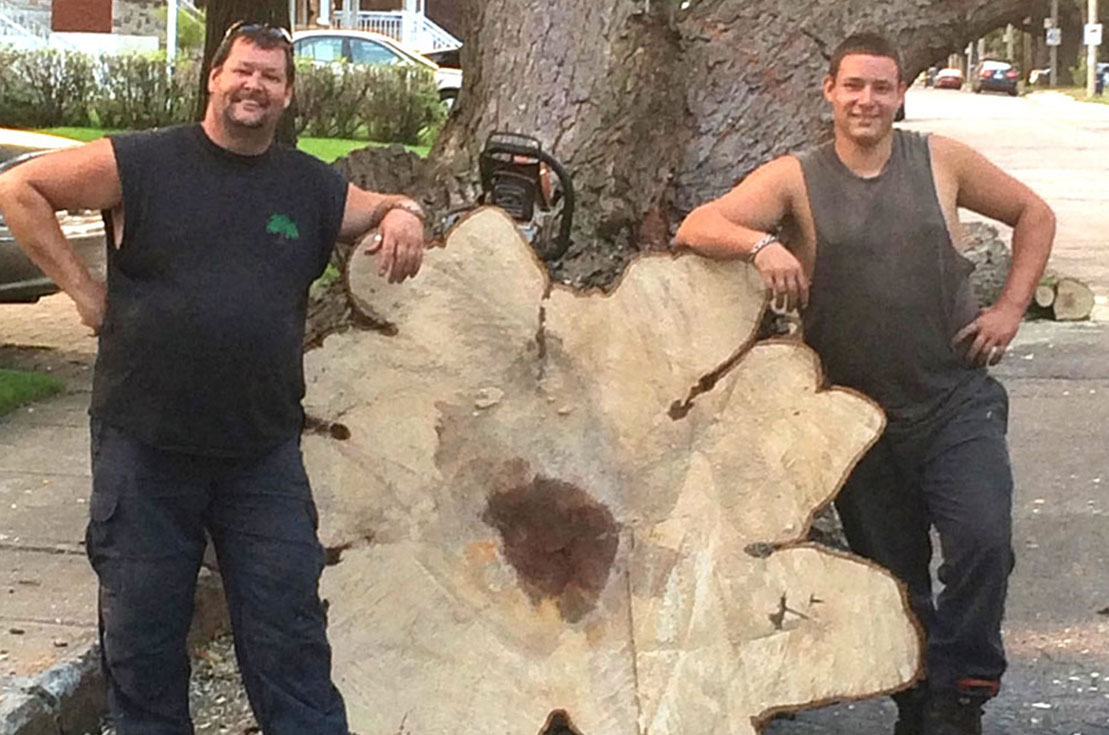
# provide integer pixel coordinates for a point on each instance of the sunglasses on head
(243, 27)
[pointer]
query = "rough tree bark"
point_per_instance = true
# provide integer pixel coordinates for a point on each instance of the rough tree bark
(655, 108)
(219, 17)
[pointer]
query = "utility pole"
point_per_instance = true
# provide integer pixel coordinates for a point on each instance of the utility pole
(1054, 49)
(1010, 43)
(171, 33)
(1091, 51)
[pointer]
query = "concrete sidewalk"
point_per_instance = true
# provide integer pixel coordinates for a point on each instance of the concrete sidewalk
(47, 589)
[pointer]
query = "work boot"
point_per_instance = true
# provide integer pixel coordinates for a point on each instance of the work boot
(953, 713)
(910, 721)
(911, 704)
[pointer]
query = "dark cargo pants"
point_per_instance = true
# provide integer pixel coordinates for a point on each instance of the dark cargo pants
(953, 475)
(146, 537)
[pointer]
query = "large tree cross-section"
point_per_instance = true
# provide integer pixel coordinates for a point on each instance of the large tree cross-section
(544, 503)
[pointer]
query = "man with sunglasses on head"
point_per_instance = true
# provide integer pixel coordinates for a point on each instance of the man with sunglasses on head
(215, 235)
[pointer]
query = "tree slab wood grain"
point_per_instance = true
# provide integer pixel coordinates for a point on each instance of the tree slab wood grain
(591, 503)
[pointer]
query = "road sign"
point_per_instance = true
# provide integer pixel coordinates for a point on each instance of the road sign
(1054, 36)
(1092, 35)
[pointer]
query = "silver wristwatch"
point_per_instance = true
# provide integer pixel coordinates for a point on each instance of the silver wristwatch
(409, 206)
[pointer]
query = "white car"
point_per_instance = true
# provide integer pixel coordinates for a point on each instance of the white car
(327, 46)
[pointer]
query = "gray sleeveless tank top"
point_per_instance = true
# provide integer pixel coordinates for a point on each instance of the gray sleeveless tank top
(889, 290)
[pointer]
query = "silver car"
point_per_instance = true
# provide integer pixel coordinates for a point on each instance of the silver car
(20, 280)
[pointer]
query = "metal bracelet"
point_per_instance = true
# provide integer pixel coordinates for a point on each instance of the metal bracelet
(764, 242)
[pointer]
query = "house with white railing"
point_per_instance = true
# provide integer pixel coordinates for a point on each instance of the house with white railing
(93, 26)
(422, 25)
(112, 26)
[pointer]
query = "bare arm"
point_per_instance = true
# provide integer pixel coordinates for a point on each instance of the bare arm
(399, 242)
(731, 226)
(30, 194)
(986, 189)
(728, 227)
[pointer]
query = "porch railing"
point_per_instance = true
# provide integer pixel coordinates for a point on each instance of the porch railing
(414, 30)
(32, 25)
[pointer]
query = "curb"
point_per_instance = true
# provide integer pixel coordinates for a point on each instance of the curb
(69, 698)
(66, 698)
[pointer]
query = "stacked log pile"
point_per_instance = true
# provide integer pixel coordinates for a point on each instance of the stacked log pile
(1057, 297)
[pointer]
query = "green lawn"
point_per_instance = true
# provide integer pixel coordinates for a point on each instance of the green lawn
(18, 388)
(325, 149)
(84, 134)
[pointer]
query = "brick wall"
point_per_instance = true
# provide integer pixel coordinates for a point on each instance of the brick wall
(87, 16)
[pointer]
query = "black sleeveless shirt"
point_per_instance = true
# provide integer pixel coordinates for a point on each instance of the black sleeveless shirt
(201, 346)
(888, 290)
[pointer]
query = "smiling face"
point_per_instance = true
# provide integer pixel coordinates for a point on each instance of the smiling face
(250, 89)
(865, 94)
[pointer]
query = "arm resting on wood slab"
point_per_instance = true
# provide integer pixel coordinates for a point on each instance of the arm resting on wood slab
(732, 226)
(399, 242)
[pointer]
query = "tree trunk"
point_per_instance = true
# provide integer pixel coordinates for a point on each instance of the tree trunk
(544, 506)
(219, 17)
(655, 108)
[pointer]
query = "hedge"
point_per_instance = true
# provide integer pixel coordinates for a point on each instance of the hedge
(51, 88)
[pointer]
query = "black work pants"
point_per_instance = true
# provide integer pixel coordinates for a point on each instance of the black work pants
(146, 537)
(953, 475)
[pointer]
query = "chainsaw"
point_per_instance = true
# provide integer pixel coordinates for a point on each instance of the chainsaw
(532, 186)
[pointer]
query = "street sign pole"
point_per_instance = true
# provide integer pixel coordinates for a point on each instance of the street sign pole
(1091, 48)
(1054, 49)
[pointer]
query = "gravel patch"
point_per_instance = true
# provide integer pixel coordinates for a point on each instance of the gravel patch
(216, 695)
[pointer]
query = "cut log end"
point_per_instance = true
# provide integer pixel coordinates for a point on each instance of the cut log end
(1074, 300)
(1045, 296)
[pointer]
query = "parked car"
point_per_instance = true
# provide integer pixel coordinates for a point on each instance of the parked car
(450, 58)
(997, 76)
(20, 280)
(374, 49)
(949, 78)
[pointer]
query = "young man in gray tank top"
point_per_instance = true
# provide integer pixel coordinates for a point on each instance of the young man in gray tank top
(885, 300)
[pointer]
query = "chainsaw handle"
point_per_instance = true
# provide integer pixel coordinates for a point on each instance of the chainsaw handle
(567, 218)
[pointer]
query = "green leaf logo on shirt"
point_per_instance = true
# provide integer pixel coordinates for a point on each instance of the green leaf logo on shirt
(280, 224)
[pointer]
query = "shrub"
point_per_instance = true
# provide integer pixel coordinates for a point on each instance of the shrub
(13, 89)
(392, 104)
(134, 91)
(329, 99)
(46, 88)
(403, 101)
